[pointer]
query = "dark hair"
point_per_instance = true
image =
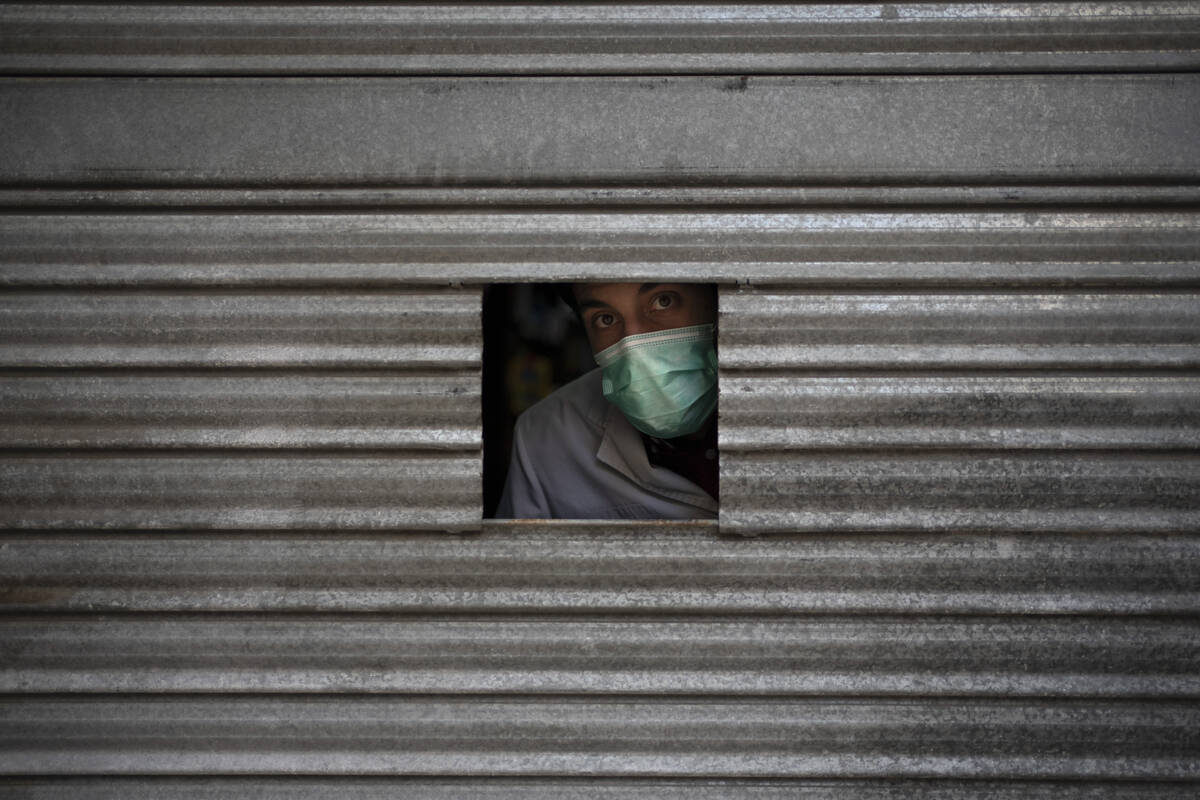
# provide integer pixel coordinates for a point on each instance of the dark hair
(566, 293)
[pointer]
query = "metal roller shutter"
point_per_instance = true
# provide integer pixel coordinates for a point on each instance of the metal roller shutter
(241, 249)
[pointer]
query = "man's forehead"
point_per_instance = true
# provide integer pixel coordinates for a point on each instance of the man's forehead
(595, 291)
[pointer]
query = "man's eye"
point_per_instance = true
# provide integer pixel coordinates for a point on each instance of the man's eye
(603, 320)
(662, 301)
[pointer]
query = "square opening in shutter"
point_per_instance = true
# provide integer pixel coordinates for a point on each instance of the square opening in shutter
(600, 401)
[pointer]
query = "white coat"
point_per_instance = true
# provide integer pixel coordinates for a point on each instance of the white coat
(575, 456)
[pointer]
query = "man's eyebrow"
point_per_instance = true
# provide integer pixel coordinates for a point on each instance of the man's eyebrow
(594, 303)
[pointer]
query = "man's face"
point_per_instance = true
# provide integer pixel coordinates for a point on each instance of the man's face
(612, 311)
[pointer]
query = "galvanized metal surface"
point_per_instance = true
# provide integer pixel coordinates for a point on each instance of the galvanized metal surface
(569, 569)
(814, 249)
(536, 39)
(127, 132)
(218, 424)
(559, 198)
(976, 412)
(545, 735)
(860, 656)
(1007, 330)
(369, 788)
(785, 470)
(160, 329)
(995, 491)
(374, 412)
(241, 372)
(240, 490)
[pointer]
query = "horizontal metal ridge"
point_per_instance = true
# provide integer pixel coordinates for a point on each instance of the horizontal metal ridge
(304, 787)
(537, 39)
(839, 656)
(224, 412)
(796, 412)
(424, 198)
(571, 569)
(1002, 491)
(381, 249)
(934, 330)
(420, 330)
(248, 491)
(334, 735)
(277, 132)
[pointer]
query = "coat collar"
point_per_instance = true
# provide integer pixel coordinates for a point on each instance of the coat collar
(621, 448)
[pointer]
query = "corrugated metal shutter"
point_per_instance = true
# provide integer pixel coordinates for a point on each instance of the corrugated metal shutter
(959, 252)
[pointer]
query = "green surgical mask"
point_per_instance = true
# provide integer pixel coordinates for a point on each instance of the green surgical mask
(664, 382)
